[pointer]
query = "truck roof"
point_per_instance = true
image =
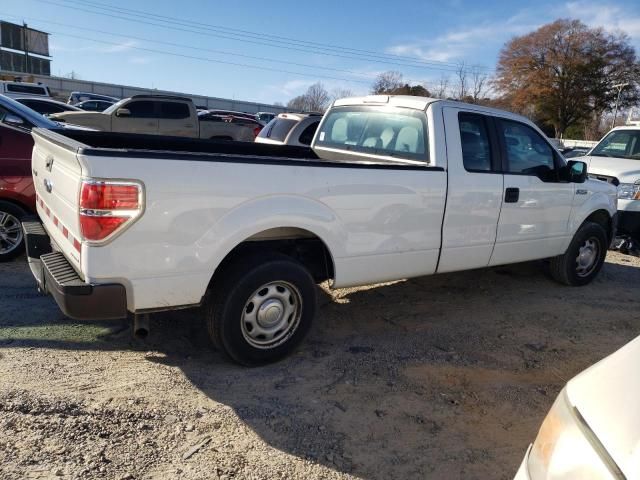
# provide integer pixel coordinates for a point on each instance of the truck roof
(421, 103)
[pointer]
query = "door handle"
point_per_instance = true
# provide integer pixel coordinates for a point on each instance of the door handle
(511, 195)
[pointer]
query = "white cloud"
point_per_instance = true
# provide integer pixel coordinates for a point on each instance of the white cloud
(457, 44)
(609, 16)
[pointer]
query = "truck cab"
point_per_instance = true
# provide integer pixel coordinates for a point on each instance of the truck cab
(616, 160)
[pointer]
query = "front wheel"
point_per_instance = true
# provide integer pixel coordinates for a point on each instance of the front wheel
(11, 236)
(261, 309)
(584, 258)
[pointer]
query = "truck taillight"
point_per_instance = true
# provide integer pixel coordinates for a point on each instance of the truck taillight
(107, 207)
(256, 131)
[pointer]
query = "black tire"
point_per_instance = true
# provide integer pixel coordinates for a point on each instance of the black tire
(8, 214)
(566, 268)
(233, 291)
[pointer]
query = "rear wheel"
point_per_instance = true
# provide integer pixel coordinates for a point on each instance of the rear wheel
(261, 309)
(584, 258)
(11, 235)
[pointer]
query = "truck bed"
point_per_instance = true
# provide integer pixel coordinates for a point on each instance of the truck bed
(180, 148)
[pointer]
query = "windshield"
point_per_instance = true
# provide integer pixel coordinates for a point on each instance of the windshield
(114, 107)
(619, 144)
(29, 116)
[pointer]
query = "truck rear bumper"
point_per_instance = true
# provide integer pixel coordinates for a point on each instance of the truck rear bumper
(55, 276)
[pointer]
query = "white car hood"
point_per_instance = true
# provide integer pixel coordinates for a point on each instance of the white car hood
(624, 169)
(607, 395)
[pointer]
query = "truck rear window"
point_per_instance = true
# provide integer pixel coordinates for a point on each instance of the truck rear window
(384, 131)
(30, 89)
(278, 129)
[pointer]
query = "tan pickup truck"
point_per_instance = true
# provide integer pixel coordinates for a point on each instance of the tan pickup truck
(162, 115)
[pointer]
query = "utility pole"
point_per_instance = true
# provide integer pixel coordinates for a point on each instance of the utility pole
(25, 42)
(619, 86)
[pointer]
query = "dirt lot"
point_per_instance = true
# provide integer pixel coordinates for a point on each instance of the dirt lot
(438, 377)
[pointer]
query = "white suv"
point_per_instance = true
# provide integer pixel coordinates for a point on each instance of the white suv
(23, 89)
(295, 129)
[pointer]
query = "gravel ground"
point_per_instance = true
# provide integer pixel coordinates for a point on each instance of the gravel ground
(437, 377)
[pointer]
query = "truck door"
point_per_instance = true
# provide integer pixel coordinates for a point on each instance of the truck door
(136, 116)
(176, 119)
(534, 220)
(475, 191)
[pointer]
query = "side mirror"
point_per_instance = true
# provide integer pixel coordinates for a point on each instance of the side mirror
(13, 120)
(577, 171)
(123, 112)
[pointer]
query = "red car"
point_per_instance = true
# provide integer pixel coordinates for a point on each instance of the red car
(17, 194)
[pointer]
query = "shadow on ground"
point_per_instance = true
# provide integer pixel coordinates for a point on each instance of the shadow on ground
(448, 375)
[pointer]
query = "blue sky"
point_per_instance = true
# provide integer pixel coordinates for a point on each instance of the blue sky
(438, 34)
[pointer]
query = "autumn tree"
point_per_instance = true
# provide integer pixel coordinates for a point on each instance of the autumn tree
(564, 73)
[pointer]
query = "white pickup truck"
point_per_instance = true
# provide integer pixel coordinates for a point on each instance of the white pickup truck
(392, 188)
(616, 160)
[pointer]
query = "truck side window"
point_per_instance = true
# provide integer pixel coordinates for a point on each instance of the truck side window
(527, 152)
(174, 110)
(474, 138)
(141, 109)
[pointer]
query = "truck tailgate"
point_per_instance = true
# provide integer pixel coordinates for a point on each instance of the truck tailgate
(57, 174)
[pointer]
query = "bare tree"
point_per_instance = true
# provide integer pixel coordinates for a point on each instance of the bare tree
(387, 82)
(315, 99)
(478, 85)
(462, 88)
(341, 93)
(298, 104)
(442, 88)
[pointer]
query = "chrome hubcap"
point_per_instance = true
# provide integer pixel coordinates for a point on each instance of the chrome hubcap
(10, 233)
(271, 315)
(587, 258)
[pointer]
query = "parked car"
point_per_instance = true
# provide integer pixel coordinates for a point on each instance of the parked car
(616, 160)
(16, 114)
(231, 113)
(392, 187)
(94, 105)
(159, 115)
(265, 117)
(575, 152)
(243, 119)
(17, 194)
(77, 97)
(46, 106)
(23, 89)
(290, 129)
(593, 428)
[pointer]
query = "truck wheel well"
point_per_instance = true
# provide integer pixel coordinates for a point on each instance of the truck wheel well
(20, 205)
(602, 217)
(302, 245)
